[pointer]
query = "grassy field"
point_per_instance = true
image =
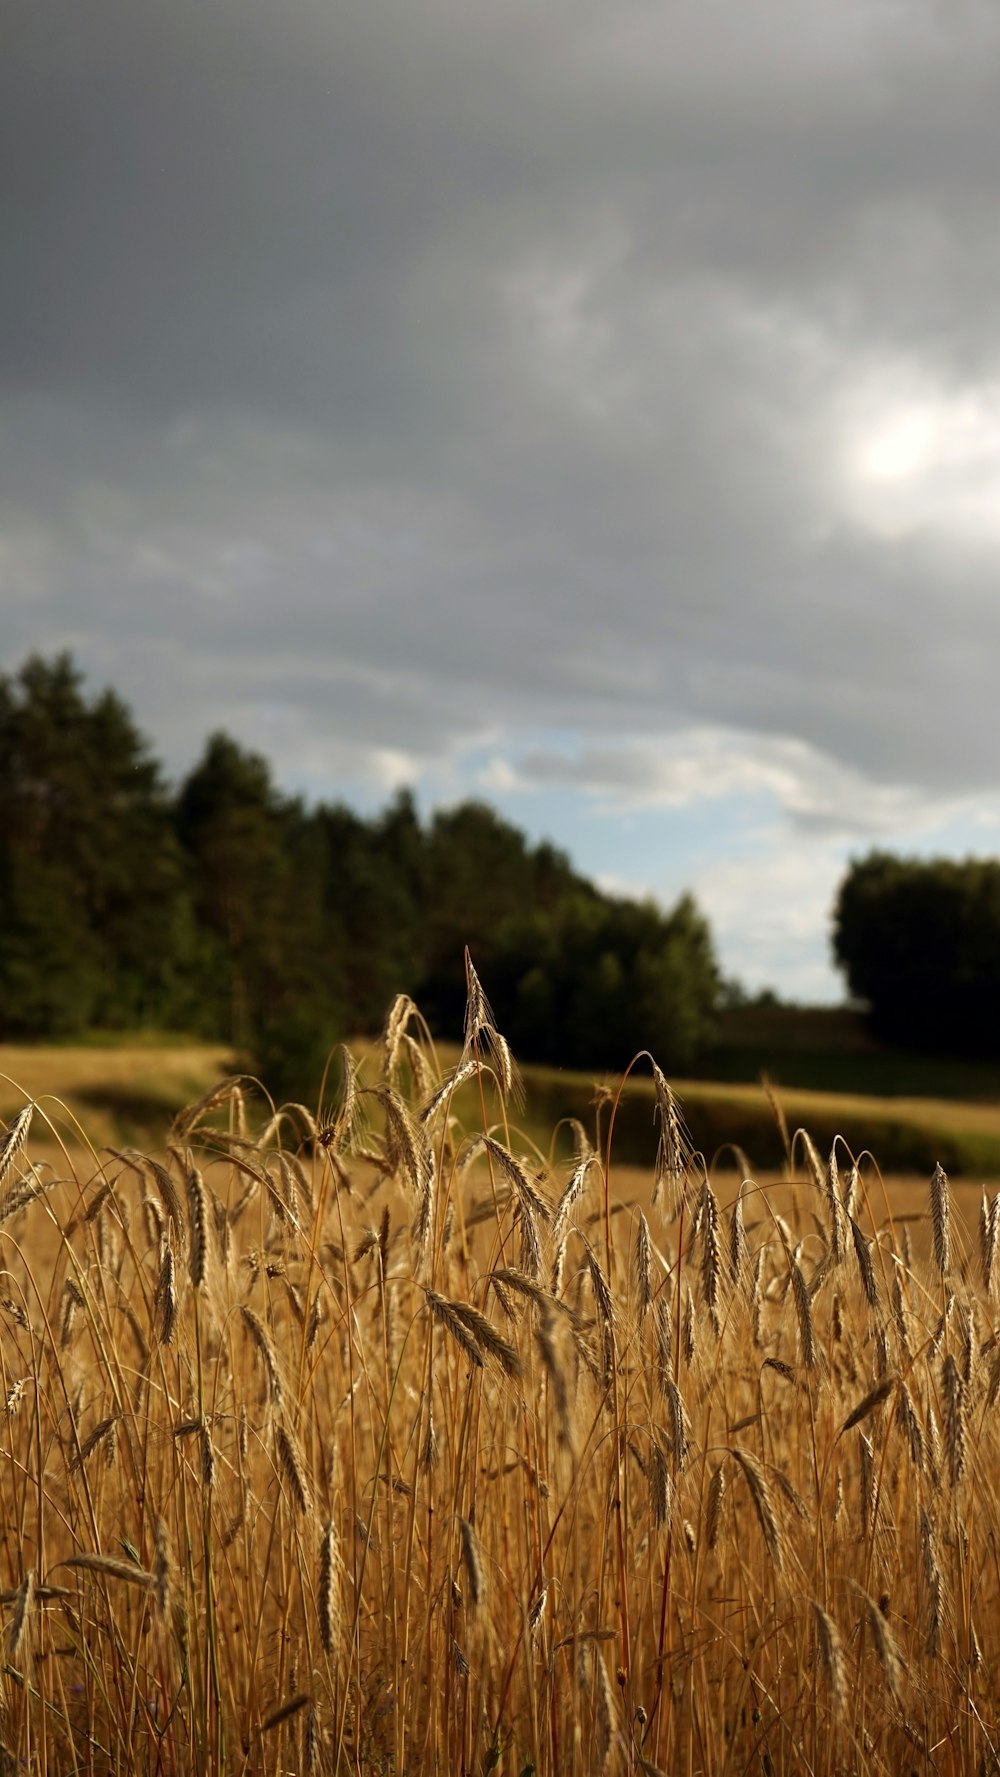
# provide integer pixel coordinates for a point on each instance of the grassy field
(124, 1092)
(117, 1093)
(389, 1445)
(830, 1048)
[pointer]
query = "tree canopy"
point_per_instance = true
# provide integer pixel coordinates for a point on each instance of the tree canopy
(226, 907)
(919, 942)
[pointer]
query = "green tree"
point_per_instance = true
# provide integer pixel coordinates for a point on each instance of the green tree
(919, 943)
(93, 922)
(234, 828)
(593, 979)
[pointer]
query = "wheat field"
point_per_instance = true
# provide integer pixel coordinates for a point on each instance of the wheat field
(361, 1442)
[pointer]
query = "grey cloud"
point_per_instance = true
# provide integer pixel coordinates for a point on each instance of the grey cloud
(418, 373)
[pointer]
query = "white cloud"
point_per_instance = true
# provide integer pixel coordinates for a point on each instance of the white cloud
(680, 769)
(920, 456)
(767, 907)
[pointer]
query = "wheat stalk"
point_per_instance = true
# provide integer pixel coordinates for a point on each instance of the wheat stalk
(941, 1219)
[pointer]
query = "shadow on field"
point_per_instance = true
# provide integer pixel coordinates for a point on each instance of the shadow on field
(723, 1122)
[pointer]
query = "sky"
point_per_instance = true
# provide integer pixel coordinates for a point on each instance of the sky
(592, 408)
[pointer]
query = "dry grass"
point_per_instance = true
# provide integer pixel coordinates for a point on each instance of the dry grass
(369, 1445)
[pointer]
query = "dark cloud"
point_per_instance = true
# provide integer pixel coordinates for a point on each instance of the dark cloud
(417, 376)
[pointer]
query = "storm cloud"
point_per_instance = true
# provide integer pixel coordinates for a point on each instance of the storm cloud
(599, 407)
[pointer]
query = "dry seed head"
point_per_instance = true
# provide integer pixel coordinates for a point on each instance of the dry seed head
(315, 1321)
(367, 1244)
(932, 1644)
(558, 1267)
(443, 1310)
(989, 1228)
(803, 1310)
(953, 1390)
(20, 1621)
(72, 1300)
(932, 1444)
(11, 1145)
(223, 1093)
(867, 1483)
(162, 1572)
(545, 1335)
(392, 1036)
(817, 1170)
(408, 1152)
(421, 1226)
(664, 1343)
(524, 1188)
(490, 1342)
(941, 1219)
(738, 1251)
(15, 1395)
(207, 1458)
(763, 1505)
(642, 1267)
(169, 1196)
(874, 1398)
(899, 1316)
(262, 1340)
(93, 1439)
(830, 1659)
(284, 1711)
(505, 1278)
(127, 1571)
(937, 1338)
(536, 1611)
(23, 1193)
(604, 1711)
(914, 1432)
(459, 1660)
(329, 1600)
(928, 1545)
(678, 1423)
(478, 1011)
(790, 1492)
(603, 1301)
(661, 1487)
(166, 1294)
(689, 1336)
(574, 1191)
(464, 1071)
(709, 1246)
(429, 1450)
(889, 1656)
(836, 1208)
(198, 1214)
(671, 1153)
(473, 1557)
(716, 1500)
(863, 1254)
(293, 1467)
(312, 1744)
(530, 1250)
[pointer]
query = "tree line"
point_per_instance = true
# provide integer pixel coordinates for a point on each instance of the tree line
(231, 910)
(919, 943)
